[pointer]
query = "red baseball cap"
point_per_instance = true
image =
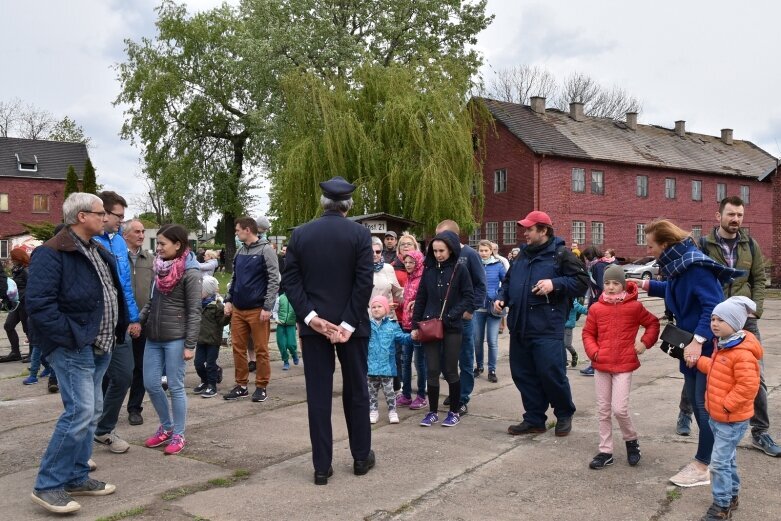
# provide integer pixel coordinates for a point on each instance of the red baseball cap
(535, 217)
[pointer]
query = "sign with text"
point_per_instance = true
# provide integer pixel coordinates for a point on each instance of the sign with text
(376, 226)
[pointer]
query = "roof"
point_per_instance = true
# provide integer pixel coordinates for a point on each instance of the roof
(555, 133)
(383, 215)
(52, 158)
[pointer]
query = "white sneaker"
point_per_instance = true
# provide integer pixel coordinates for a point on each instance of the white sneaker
(374, 416)
(393, 417)
(691, 476)
(114, 443)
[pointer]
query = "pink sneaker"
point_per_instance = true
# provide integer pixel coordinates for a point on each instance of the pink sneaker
(418, 403)
(403, 401)
(160, 437)
(175, 446)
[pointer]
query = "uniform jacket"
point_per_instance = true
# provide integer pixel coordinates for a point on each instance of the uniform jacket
(64, 295)
(178, 314)
(255, 279)
(141, 276)
(382, 346)
(541, 316)
(116, 244)
(733, 380)
(435, 282)
(329, 270)
(213, 320)
(285, 313)
(611, 329)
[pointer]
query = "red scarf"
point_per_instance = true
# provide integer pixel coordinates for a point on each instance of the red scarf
(169, 273)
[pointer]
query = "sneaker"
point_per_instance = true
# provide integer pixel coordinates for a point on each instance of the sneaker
(175, 446)
(525, 428)
(684, 425)
(563, 426)
(574, 362)
(633, 453)
(295, 360)
(47, 371)
(601, 460)
(160, 437)
(374, 416)
(452, 419)
(164, 383)
(734, 502)
(30, 380)
(766, 444)
(53, 387)
(463, 409)
(478, 371)
(285, 366)
(114, 443)
(429, 420)
(393, 417)
(716, 513)
(236, 393)
(492, 377)
(201, 387)
(91, 487)
(403, 401)
(57, 501)
(691, 476)
(418, 403)
(259, 395)
(135, 418)
(92, 465)
(587, 371)
(252, 366)
(209, 392)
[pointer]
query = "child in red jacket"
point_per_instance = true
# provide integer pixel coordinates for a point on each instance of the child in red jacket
(609, 338)
(733, 382)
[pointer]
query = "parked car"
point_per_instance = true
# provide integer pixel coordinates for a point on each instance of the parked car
(643, 268)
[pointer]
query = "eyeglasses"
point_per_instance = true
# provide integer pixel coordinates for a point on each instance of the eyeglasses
(377, 252)
(102, 214)
(119, 216)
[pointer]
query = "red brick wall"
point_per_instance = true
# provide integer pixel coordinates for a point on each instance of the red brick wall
(20, 203)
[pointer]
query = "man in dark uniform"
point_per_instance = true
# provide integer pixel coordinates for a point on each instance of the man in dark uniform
(328, 280)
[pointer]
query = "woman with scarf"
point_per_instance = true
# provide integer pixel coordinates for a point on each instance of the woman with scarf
(171, 321)
(693, 287)
(413, 264)
(487, 323)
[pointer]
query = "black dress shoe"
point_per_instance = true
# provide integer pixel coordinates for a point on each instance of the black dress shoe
(321, 478)
(361, 467)
(13, 356)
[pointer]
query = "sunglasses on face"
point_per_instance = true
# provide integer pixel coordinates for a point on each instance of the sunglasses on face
(377, 252)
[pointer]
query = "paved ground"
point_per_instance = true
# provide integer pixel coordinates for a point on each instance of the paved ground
(252, 461)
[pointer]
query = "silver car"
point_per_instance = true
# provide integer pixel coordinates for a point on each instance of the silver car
(643, 268)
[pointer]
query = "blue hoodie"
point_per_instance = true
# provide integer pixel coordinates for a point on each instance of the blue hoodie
(116, 244)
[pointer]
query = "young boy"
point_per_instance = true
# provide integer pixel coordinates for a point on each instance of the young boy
(286, 331)
(733, 382)
(207, 350)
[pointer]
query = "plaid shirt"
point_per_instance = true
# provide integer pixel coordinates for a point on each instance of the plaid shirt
(729, 249)
(108, 322)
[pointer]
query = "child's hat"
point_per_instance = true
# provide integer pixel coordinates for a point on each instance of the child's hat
(209, 285)
(383, 301)
(616, 273)
(734, 311)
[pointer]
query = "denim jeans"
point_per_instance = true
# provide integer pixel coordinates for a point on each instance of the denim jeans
(486, 326)
(694, 385)
(36, 360)
(80, 375)
(466, 361)
(168, 354)
(723, 465)
(136, 396)
(116, 383)
(415, 349)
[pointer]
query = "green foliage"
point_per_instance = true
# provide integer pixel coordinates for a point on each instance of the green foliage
(149, 217)
(67, 130)
(42, 231)
(71, 182)
(89, 183)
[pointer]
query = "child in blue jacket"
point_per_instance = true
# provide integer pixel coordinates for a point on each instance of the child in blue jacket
(577, 307)
(382, 357)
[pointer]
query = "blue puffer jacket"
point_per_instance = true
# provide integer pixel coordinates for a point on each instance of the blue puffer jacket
(494, 273)
(382, 346)
(577, 307)
(118, 247)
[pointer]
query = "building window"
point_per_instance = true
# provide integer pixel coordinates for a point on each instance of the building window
(744, 194)
(669, 188)
(500, 181)
(597, 233)
(474, 237)
(3, 249)
(696, 232)
(640, 234)
(579, 232)
(41, 203)
(721, 192)
(26, 165)
(492, 231)
(696, 190)
(597, 182)
(642, 186)
(578, 180)
(509, 232)
(3, 202)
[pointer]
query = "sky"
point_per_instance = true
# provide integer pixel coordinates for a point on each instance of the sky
(713, 64)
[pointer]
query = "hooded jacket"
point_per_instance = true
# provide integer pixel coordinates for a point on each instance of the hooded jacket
(255, 280)
(382, 346)
(733, 380)
(116, 244)
(411, 289)
(434, 284)
(611, 329)
(494, 273)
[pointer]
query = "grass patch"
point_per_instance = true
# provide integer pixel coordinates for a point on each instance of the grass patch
(123, 515)
(673, 494)
(224, 482)
(224, 279)
(551, 424)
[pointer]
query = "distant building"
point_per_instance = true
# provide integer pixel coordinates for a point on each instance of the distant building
(32, 182)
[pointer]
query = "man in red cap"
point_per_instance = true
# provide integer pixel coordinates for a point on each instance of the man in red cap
(542, 282)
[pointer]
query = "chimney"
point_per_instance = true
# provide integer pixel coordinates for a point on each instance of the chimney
(680, 128)
(631, 120)
(726, 136)
(537, 104)
(576, 111)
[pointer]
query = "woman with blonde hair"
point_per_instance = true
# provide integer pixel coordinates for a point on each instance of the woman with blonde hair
(211, 259)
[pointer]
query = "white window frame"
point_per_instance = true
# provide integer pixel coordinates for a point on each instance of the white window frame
(641, 186)
(580, 187)
(640, 234)
(721, 191)
(745, 192)
(696, 190)
(669, 188)
(509, 232)
(474, 237)
(598, 182)
(492, 231)
(500, 181)
(597, 233)
(579, 232)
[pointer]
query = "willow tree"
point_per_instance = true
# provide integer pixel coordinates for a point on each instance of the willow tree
(401, 134)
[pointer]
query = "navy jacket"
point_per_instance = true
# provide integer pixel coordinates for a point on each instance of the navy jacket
(474, 265)
(329, 270)
(65, 297)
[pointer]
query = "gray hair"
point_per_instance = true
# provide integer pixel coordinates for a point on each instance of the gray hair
(339, 206)
(126, 224)
(376, 240)
(78, 202)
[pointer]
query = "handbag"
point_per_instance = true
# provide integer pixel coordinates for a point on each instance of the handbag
(674, 339)
(433, 330)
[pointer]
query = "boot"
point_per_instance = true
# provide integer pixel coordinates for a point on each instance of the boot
(633, 452)
(13, 356)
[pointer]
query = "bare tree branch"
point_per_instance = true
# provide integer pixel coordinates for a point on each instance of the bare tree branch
(10, 112)
(35, 123)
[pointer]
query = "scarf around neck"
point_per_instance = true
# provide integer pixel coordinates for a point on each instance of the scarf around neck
(169, 273)
(378, 266)
(613, 299)
(732, 340)
(677, 258)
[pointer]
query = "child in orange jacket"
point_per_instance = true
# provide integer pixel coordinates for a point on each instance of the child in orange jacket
(733, 382)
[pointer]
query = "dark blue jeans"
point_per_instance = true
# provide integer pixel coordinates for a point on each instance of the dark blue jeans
(116, 383)
(206, 363)
(694, 386)
(466, 362)
(537, 368)
(415, 349)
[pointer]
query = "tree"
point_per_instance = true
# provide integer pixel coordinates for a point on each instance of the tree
(89, 183)
(518, 84)
(42, 231)
(35, 123)
(71, 182)
(67, 130)
(10, 112)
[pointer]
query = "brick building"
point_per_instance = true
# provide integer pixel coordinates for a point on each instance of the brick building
(602, 180)
(32, 182)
